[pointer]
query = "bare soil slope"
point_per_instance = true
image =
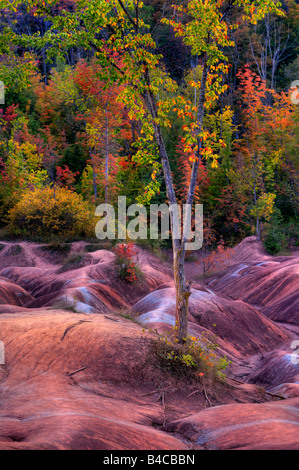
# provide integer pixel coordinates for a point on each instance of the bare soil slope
(78, 375)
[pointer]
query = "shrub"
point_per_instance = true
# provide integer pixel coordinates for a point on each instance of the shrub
(100, 245)
(128, 269)
(56, 248)
(272, 244)
(193, 359)
(281, 237)
(217, 258)
(38, 215)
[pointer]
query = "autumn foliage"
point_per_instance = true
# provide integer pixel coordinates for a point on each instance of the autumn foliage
(128, 269)
(76, 116)
(39, 216)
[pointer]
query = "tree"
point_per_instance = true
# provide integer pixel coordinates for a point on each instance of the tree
(115, 30)
(105, 120)
(51, 147)
(263, 155)
(22, 169)
(274, 42)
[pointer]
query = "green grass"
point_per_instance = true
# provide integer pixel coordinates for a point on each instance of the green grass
(100, 245)
(61, 305)
(57, 248)
(14, 250)
(73, 261)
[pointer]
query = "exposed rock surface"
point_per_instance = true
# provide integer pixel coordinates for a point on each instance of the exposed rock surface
(12, 294)
(269, 426)
(74, 379)
(93, 287)
(270, 285)
(238, 324)
(42, 406)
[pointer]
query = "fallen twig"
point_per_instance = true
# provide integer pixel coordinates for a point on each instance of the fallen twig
(238, 381)
(153, 392)
(274, 395)
(150, 393)
(75, 371)
(72, 326)
(206, 397)
(112, 319)
(163, 404)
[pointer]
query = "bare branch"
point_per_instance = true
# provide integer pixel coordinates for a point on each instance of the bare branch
(227, 10)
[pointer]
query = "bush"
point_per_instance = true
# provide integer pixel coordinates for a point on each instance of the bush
(279, 236)
(73, 261)
(128, 269)
(192, 359)
(272, 243)
(38, 215)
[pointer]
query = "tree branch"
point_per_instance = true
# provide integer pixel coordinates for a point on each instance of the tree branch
(227, 10)
(127, 13)
(200, 115)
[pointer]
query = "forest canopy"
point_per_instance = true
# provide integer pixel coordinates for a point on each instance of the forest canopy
(67, 125)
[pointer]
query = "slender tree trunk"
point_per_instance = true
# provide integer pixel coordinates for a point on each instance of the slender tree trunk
(51, 173)
(273, 74)
(45, 66)
(257, 226)
(183, 290)
(178, 245)
(200, 116)
(106, 156)
(258, 230)
(94, 182)
(94, 178)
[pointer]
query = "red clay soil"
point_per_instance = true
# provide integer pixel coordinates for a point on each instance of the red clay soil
(85, 377)
(92, 287)
(269, 426)
(12, 294)
(270, 284)
(275, 368)
(72, 381)
(242, 329)
(43, 407)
